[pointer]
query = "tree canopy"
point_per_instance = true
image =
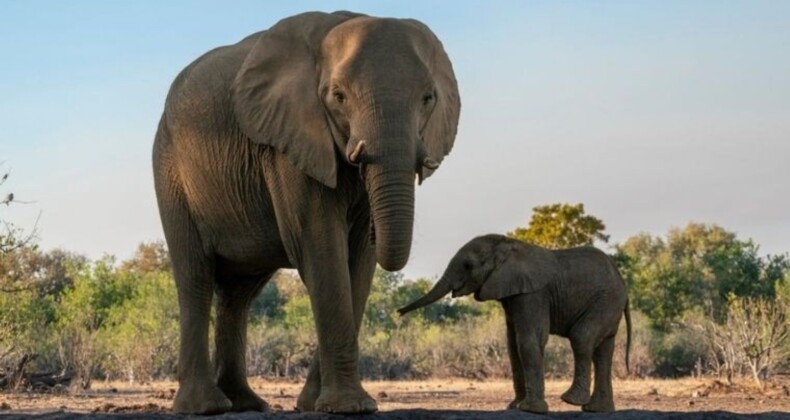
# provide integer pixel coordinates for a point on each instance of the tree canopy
(695, 267)
(560, 226)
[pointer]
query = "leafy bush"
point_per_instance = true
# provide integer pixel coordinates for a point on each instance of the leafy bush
(112, 320)
(141, 334)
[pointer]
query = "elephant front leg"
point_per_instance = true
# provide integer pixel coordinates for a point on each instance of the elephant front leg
(517, 369)
(329, 284)
(531, 354)
(362, 265)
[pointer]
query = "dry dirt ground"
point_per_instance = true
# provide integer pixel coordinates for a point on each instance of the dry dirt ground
(444, 399)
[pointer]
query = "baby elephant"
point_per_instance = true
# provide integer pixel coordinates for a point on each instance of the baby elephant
(575, 293)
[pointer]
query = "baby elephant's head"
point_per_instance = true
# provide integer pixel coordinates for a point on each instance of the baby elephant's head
(491, 267)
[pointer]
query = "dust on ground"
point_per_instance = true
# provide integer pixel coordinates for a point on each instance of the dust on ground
(447, 398)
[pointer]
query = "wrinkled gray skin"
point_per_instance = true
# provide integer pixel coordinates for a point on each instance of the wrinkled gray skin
(575, 293)
(297, 147)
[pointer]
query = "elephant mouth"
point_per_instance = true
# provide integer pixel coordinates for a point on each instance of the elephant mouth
(462, 291)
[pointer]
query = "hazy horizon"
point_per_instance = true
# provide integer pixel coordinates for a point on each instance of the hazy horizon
(652, 114)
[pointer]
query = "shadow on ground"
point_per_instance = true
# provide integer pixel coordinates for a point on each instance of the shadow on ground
(418, 414)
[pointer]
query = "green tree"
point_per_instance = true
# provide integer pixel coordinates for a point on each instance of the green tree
(282, 332)
(696, 267)
(25, 319)
(560, 226)
(269, 305)
(83, 311)
(32, 289)
(782, 289)
(140, 334)
(379, 312)
(149, 257)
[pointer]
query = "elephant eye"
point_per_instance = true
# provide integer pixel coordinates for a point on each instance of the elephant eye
(467, 265)
(428, 98)
(339, 96)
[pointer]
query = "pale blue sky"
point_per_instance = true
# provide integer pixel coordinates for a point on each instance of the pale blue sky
(653, 114)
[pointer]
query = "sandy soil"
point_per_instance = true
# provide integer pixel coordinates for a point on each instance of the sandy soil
(451, 398)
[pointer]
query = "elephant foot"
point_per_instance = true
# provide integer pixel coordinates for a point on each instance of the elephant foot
(599, 406)
(308, 396)
(245, 399)
(352, 401)
(576, 396)
(534, 406)
(514, 404)
(202, 398)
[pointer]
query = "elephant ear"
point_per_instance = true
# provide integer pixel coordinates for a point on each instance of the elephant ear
(276, 98)
(442, 126)
(521, 268)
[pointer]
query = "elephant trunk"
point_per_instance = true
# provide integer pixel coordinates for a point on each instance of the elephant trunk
(439, 290)
(392, 206)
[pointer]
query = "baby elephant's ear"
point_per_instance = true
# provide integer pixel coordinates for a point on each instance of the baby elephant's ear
(521, 268)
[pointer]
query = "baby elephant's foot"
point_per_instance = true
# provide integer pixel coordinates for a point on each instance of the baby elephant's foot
(514, 404)
(599, 406)
(576, 396)
(534, 406)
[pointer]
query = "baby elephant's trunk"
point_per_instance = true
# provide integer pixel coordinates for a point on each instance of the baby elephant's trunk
(439, 290)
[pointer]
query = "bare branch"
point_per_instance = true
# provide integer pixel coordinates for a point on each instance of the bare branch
(11, 240)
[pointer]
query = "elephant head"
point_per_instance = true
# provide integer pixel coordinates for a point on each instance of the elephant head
(346, 89)
(492, 267)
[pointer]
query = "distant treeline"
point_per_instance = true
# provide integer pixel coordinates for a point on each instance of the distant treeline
(703, 302)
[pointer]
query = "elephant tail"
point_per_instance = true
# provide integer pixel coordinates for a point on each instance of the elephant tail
(628, 337)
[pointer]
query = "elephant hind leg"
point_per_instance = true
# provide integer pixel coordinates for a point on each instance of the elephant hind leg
(234, 297)
(193, 271)
(579, 392)
(602, 400)
(312, 386)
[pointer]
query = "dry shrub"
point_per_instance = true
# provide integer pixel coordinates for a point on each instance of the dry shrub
(558, 358)
(641, 360)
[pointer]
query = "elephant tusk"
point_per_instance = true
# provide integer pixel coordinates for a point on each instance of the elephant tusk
(353, 157)
(430, 163)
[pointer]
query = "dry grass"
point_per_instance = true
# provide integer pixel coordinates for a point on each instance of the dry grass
(449, 394)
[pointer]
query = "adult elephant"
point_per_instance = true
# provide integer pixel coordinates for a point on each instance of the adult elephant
(296, 148)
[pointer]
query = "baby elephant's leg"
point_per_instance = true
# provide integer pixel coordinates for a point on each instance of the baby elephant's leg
(531, 352)
(516, 367)
(602, 400)
(530, 326)
(582, 346)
